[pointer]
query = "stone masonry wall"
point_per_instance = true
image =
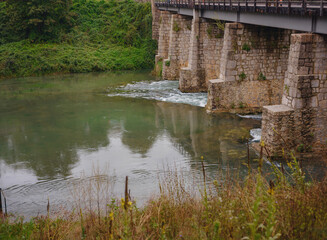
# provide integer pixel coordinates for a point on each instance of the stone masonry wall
(206, 42)
(155, 20)
(243, 96)
(210, 43)
(163, 40)
(252, 68)
(303, 126)
(188, 50)
(259, 50)
(178, 51)
(191, 77)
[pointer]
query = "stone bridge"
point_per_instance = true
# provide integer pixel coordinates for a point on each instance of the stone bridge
(251, 56)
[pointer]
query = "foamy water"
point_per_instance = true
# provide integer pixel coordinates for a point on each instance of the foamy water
(252, 116)
(166, 91)
(256, 134)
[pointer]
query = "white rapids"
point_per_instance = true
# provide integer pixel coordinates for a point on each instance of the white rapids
(166, 91)
(256, 134)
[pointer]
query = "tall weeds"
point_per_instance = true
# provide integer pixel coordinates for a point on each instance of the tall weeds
(255, 208)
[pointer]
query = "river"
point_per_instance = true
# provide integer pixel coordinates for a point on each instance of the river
(55, 130)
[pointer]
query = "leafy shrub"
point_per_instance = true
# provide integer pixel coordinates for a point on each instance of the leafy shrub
(246, 47)
(242, 76)
(261, 76)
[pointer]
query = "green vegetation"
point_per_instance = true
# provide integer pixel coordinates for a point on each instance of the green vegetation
(24, 59)
(212, 34)
(158, 68)
(220, 25)
(35, 20)
(242, 76)
(304, 148)
(241, 105)
(210, 31)
(246, 47)
(261, 76)
(74, 36)
(284, 208)
(176, 27)
(287, 89)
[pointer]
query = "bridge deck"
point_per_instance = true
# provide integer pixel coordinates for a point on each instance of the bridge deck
(309, 16)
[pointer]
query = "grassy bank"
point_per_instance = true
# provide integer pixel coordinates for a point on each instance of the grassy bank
(26, 59)
(100, 36)
(288, 208)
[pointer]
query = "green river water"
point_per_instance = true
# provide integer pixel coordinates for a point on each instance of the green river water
(53, 130)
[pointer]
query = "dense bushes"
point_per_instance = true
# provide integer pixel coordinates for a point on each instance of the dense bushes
(24, 59)
(42, 37)
(35, 19)
(124, 23)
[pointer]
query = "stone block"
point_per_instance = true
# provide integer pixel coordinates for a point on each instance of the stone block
(297, 103)
(303, 70)
(305, 37)
(231, 64)
(279, 109)
(321, 96)
(315, 83)
(292, 92)
(323, 104)
(314, 102)
(240, 31)
(230, 78)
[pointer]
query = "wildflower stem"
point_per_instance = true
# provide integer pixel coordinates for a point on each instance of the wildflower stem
(126, 194)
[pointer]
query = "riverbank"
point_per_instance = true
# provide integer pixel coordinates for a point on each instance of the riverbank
(21, 59)
(100, 36)
(288, 208)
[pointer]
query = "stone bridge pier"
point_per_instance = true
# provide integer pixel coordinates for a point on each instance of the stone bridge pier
(300, 122)
(248, 68)
(253, 62)
(188, 50)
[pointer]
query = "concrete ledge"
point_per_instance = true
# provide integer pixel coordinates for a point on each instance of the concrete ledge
(215, 81)
(278, 109)
(186, 69)
(242, 96)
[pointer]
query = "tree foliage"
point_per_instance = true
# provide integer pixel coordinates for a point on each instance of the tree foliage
(125, 22)
(37, 20)
(49, 36)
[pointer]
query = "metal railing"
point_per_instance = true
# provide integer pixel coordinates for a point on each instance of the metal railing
(302, 7)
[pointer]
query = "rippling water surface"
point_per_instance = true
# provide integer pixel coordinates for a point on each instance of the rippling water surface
(53, 130)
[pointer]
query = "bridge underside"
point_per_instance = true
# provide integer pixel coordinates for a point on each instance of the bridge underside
(254, 63)
(314, 24)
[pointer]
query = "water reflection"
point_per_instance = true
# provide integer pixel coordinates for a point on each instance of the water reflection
(218, 138)
(140, 129)
(44, 134)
